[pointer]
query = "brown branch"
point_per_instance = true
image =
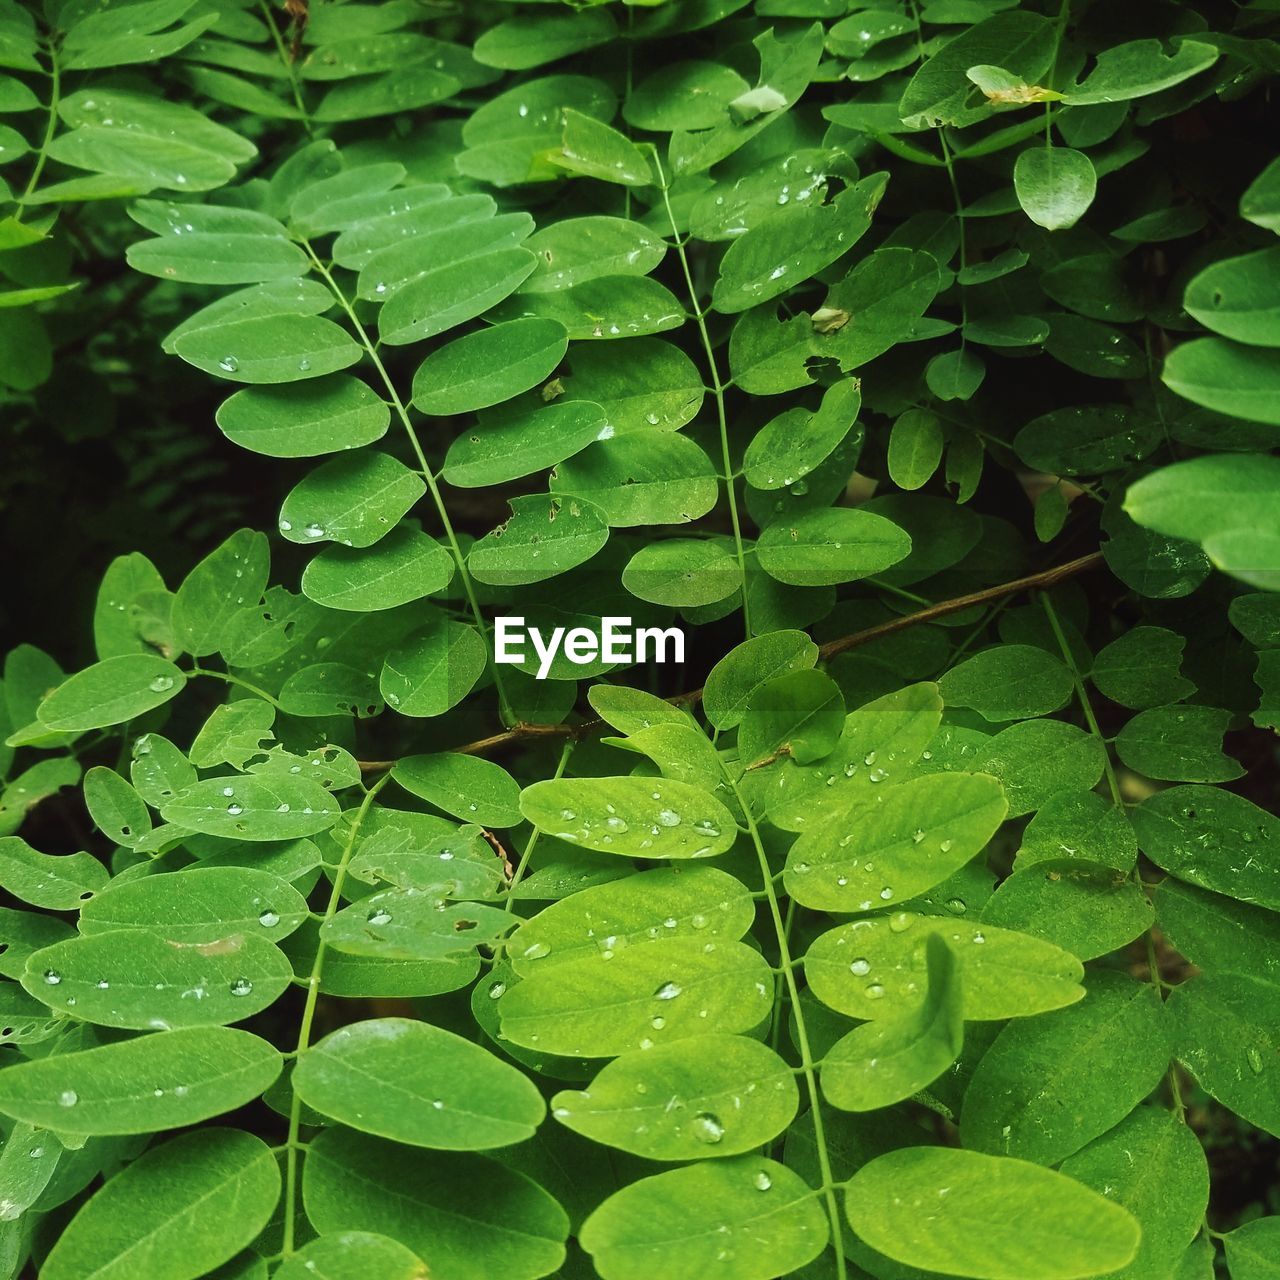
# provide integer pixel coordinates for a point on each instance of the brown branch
(1045, 578)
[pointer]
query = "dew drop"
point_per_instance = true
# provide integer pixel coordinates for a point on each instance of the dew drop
(762, 1181)
(860, 967)
(68, 1098)
(161, 684)
(875, 991)
(535, 951)
(668, 991)
(228, 364)
(379, 916)
(52, 977)
(241, 987)
(707, 1128)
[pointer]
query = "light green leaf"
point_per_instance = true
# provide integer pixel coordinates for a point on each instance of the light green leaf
(1009, 682)
(830, 546)
(953, 1211)
(575, 250)
(545, 536)
(434, 669)
(683, 572)
(632, 817)
(1236, 298)
(607, 307)
(185, 1206)
(591, 148)
(410, 924)
(274, 349)
(668, 902)
(877, 968)
(465, 1216)
(880, 1063)
(405, 565)
(911, 836)
(915, 448)
(641, 385)
(1219, 934)
(232, 576)
(1236, 380)
(489, 366)
(519, 43)
(713, 1095)
(59, 882)
(799, 714)
(1048, 1085)
(354, 501)
(352, 1255)
(141, 980)
(649, 994)
(1055, 186)
(1260, 203)
(303, 420)
(1251, 1249)
(163, 1081)
(468, 787)
(253, 808)
(521, 438)
(1036, 760)
(735, 678)
(683, 96)
(740, 1219)
(230, 257)
(1139, 68)
(789, 447)
(418, 1084)
(1140, 668)
(111, 692)
(132, 611)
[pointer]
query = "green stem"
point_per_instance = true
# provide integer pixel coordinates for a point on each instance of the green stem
(531, 843)
(289, 69)
(424, 466)
(238, 682)
(50, 128)
(717, 387)
(949, 161)
(309, 1013)
(807, 1065)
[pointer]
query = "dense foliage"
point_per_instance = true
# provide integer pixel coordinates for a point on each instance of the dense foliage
(919, 361)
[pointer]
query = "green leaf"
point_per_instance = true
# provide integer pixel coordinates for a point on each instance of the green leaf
(734, 680)
(877, 968)
(410, 924)
(644, 383)
(649, 994)
(608, 307)
(111, 692)
(404, 565)
(489, 366)
(683, 95)
(915, 448)
(305, 419)
(353, 1255)
(1235, 380)
(880, 1063)
(233, 575)
(1225, 1035)
(433, 670)
(713, 1095)
(545, 536)
(1009, 682)
(789, 447)
(466, 1217)
(163, 1081)
(354, 501)
(187, 1205)
(1086, 441)
(574, 251)
(799, 714)
(591, 148)
(1228, 503)
(228, 257)
(523, 42)
(274, 349)
(1251, 1249)
(253, 808)
(911, 836)
(418, 1084)
(1235, 298)
(1260, 203)
(1139, 68)
(1153, 1165)
(1199, 834)
(1218, 934)
(668, 902)
(522, 438)
(792, 246)
(1179, 744)
(740, 1219)
(199, 906)
(1001, 1219)
(468, 787)
(1049, 1085)
(684, 573)
(1055, 186)
(828, 547)
(1039, 759)
(632, 817)
(55, 882)
(140, 980)
(1139, 669)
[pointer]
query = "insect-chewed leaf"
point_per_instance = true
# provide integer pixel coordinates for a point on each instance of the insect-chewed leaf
(546, 535)
(880, 1063)
(941, 1209)
(468, 787)
(405, 565)
(911, 836)
(709, 1095)
(1207, 837)
(701, 902)
(878, 968)
(648, 994)
(117, 810)
(467, 1217)
(111, 692)
(746, 1218)
(1225, 1035)
(736, 677)
(418, 1084)
(161, 1081)
(56, 882)
(1138, 68)
(254, 807)
(632, 817)
(186, 1206)
(140, 980)
(410, 924)
(1048, 1085)
(198, 905)
(305, 419)
(353, 1255)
